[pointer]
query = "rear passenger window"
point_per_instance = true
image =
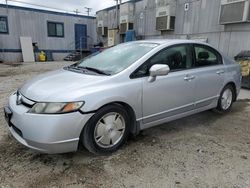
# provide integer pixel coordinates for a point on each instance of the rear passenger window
(206, 56)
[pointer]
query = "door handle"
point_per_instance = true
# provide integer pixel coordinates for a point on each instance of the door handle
(189, 78)
(219, 72)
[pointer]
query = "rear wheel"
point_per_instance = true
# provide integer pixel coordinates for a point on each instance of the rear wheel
(226, 99)
(107, 130)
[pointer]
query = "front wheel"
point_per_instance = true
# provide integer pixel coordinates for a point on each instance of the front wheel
(226, 99)
(107, 130)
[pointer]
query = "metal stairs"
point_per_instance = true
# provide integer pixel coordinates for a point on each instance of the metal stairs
(75, 56)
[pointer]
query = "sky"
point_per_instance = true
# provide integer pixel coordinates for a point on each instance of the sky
(65, 5)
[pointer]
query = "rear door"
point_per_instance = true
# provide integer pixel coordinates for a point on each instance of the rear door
(209, 73)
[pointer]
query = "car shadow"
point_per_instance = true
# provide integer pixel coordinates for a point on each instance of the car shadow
(203, 119)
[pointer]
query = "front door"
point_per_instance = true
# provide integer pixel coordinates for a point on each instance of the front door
(172, 94)
(80, 36)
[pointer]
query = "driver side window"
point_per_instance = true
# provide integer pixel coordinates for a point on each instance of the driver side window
(178, 57)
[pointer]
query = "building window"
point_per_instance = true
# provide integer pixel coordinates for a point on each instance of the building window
(4, 25)
(55, 29)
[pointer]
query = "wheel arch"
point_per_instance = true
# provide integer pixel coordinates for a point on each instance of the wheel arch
(134, 126)
(231, 83)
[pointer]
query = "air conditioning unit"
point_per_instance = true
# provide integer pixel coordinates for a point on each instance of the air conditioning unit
(234, 11)
(165, 23)
(165, 15)
(102, 31)
(126, 17)
(102, 23)
(124, 27)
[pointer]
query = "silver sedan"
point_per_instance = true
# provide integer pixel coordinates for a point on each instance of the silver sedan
(103, 98)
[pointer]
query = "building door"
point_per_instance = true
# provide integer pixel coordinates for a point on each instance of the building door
(80, 36)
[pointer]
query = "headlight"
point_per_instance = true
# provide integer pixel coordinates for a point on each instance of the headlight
(55, 108)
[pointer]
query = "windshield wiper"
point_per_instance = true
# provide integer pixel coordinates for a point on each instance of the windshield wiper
(80, 68)
(72, 67)
(95, 70)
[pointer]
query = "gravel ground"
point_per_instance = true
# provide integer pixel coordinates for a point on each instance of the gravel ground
(204, 150)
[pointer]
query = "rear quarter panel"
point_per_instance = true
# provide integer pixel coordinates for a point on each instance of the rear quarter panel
(233, 73)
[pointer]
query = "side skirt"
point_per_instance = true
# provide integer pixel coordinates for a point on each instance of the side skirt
(175, 117)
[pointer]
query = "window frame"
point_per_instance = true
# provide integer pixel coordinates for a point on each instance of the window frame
(56, 23)
(191, 49)
(7, 25)
(209, 48)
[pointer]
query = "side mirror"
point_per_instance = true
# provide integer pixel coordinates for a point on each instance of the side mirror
(158, 70)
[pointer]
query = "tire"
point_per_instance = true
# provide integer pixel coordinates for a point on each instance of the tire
(107, 130)
(226, 99)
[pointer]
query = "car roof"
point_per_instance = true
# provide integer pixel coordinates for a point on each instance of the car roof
(175, 41)
(170, 41)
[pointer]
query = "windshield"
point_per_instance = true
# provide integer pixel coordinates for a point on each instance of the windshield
(116, 59)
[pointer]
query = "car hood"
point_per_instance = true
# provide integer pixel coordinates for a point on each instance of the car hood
(60, 86)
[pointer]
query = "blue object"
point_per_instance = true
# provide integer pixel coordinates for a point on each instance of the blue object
(94, 50)
(130, 36)
(49, 56)
(80, 36)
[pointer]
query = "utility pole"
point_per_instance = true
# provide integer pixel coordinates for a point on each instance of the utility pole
(88, 10)
(76, 11)
(6, 1)
(117, 15)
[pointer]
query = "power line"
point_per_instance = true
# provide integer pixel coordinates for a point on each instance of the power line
(46, 7)
(37, 5)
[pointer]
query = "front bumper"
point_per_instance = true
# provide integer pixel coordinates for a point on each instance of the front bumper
(45, 133)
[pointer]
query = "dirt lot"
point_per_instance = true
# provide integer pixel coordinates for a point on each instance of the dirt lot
(204, 150)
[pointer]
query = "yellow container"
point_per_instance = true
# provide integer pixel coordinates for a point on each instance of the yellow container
(42, 56)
